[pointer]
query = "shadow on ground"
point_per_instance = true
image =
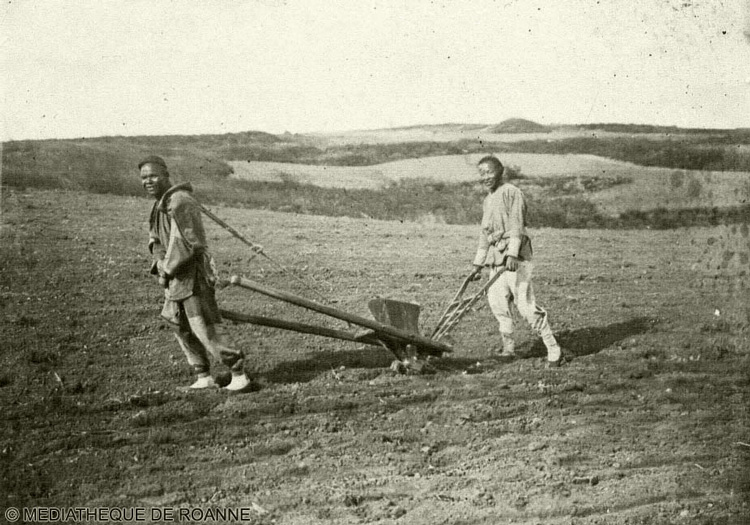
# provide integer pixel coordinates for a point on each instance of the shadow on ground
(587, 341)
(302, 371)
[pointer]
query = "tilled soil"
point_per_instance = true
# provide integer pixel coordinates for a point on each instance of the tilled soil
(647, 424)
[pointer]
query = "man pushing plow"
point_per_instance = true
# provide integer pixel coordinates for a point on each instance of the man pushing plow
(505, 248)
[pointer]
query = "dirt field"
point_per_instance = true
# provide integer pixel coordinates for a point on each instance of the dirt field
(648, 424)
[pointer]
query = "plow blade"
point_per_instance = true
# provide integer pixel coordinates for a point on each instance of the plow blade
(404, 316)
(401, 315)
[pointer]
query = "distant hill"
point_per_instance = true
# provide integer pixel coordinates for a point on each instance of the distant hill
(448, 126)
(202, 141)
(518, 125)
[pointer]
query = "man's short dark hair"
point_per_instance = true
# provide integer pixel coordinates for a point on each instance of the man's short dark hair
(497, 166)
(153, 159)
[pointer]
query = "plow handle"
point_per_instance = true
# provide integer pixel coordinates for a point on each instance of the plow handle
(456, 315)
(452, 304)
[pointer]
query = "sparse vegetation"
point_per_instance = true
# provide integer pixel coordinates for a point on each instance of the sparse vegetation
(417, 200)
(563, 186)
(718, 154)
(736, 136)
(97, 165)
(696, 153)
(107, 165)
(69, 159)
(664, 219)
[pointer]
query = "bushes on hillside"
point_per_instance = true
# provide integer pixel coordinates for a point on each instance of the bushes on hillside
(108, 165)
(664, 219)
(680, 154)
(61, 165)
(97, 166)
(406, 201)
(717, 153)
(452, 204)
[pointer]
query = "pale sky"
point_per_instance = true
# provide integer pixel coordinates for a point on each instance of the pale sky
(88, 68)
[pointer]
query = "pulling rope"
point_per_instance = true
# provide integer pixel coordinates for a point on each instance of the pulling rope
(256, 248)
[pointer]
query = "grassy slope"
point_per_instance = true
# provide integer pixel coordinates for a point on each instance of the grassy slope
(643, 427)
(648, 188)
(106, 165)
(103, 165)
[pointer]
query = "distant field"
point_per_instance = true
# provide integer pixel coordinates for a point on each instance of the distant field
(649, 188)
(359, 177)
(449, 133)
(448, 169)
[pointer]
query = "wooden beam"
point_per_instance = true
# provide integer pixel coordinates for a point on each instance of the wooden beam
(298, 327)
(391, 332)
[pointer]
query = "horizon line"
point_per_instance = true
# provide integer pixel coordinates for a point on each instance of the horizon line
(473, 126)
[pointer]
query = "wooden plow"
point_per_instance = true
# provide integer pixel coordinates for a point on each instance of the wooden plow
(395, 327)
(396, 324)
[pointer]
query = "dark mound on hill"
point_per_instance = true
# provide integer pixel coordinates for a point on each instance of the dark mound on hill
(519, 125)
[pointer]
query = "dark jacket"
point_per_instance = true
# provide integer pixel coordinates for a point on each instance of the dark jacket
(177, 242)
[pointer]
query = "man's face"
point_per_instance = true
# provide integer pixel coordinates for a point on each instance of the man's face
(155, 180)
(487, 176)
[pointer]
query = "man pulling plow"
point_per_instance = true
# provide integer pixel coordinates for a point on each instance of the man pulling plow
(185, 270)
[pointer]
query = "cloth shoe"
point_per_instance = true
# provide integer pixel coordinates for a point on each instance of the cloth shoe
(239, 383)
(203, 383)
(565, 358)
(509, 346)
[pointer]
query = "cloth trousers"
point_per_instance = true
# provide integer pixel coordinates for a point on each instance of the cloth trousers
(198, 337)
(517, 287)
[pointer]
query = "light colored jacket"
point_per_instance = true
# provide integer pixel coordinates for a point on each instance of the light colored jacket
(503, 227)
